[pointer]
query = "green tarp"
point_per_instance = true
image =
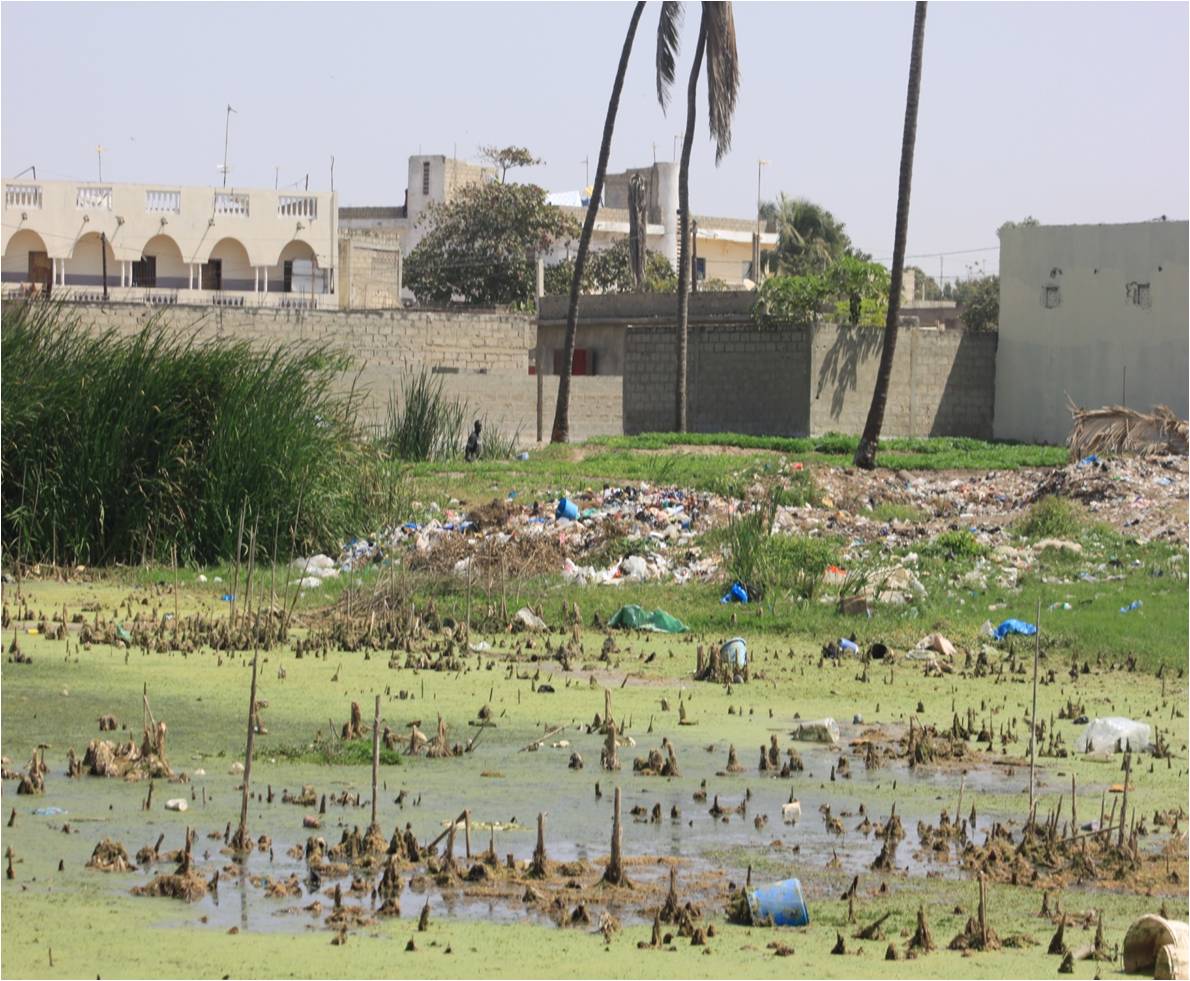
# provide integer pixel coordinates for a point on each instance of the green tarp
(634, 618)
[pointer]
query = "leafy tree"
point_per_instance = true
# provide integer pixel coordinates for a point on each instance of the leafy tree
(854, 290)
(865, 452)
(1027, 222)
(860, 289)
(610, 271)
(482, 247)
(505, 158)
(809, 237)
(980, 300)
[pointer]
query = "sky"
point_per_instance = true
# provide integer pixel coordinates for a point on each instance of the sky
(1068, 112)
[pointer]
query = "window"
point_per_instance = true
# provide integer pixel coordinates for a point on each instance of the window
(746, 270)
(700, 268)
(211, 275)
(1051, 297)
(144, 272)
(1140, 294)
(287, 276)
(425, 177)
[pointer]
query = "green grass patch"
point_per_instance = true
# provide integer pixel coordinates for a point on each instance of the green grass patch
(889, 511)
(1052, 517)
(335, 752)
(955, 544)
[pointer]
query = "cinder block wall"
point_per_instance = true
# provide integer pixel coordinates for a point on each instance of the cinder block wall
(943, 382)
(482, 357)
(793, 381)
(741, 379)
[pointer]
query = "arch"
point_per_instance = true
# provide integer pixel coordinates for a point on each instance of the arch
(85, 265)
(169, 267)
(235, 268)
(304, 275)
(19, 266)
(297, 249)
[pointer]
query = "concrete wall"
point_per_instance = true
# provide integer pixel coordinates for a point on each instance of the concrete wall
(801, 381)
(943, 382)
(482, 357)
(368, 271)
(1073, 322)
(741, 379)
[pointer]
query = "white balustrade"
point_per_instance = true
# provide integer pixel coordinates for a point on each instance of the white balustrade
(229, 203)
(93, 197)
(163, 202)
(297, 206)
(22, 196)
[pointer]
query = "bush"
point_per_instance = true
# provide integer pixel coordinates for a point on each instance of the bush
(769, 565)
(951, 545)
(427, 424)
(1051, 517)
(117, 448)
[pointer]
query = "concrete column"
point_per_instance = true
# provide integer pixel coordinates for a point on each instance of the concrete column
(266, 279)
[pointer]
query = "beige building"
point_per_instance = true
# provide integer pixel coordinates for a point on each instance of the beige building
(1098, 313)
(162, 243)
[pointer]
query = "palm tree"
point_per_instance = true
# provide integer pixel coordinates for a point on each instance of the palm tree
(716, 39)
(809, 237)
(561, 428)
(865, 453)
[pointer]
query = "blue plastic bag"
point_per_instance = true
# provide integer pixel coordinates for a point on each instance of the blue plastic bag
(1134, 605)
(849, 646)
(1015, 627)
(737, 594)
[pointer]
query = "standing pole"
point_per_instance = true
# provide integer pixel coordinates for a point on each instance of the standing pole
(375, 758)
(103, 253)
(1033, 716)
(226, 131)
(240, 842)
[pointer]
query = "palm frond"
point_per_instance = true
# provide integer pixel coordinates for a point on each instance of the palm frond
(723, 73)
(668, 27)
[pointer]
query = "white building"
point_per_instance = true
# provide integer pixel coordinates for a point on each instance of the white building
(169, 244)
(1099, 313)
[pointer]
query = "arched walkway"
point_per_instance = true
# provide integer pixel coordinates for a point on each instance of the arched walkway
(161, 265)
(85, 265)
(228, 268)
(297, 270)
(25, 259)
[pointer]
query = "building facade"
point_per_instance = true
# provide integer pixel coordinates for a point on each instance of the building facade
(162, 243)
(1098, 313)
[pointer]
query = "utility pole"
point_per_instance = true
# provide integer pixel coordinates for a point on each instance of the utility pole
(760, 164)
(276, 175)
(226, 131)
(332, 173)
(103, 252)
(99, 154)
(587, 170)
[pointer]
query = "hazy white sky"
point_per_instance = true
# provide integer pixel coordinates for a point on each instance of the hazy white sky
(1071, 112)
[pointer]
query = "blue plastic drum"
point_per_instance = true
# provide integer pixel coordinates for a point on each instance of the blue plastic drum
(566, 509)
(781, 903)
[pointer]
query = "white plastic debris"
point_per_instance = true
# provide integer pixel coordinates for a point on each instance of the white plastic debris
(818, 731)
(526, 619)
(177, 804)
(1103, 735)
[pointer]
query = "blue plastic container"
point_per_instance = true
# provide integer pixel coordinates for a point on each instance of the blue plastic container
(781, 903)
(566, 509)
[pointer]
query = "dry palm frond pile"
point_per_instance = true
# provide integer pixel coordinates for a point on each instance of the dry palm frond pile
(1117, 429)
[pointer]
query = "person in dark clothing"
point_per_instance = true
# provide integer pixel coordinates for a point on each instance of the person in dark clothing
(471, 453)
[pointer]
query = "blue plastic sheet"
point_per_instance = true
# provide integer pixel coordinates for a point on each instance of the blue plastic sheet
(1015, 627)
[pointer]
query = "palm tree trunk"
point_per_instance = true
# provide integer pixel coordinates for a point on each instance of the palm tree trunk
(865, 453)
(561, 430)
(684, 270)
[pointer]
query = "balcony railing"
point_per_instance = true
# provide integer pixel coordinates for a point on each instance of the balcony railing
(227, 203)
(163, 202)
(93, 197)
(297, 206)
(22, 196)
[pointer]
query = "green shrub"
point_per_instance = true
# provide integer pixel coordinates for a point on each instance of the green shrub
(798, 490)
(426, 423)
(960, 544)
(1052, 517)
(119, 448)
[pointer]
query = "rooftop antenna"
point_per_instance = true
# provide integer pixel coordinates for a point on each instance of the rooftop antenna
(26, 170)
(226, 130)
(587, 165)
(99, 153)
(276, 175)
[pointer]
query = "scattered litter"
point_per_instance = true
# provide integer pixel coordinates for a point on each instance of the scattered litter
(1156, 944)
(1014, 627)
(734, 653)
(1105, 735)
(632, 617)
(49, 811)
(177, 804)
(526, 619)
(737, 594)
(848, 646)
(566, 509)
(1134, 605)
(818, 731)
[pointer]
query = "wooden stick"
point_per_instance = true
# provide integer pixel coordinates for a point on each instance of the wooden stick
(1033, 715)
(538, 742)
(1073, 802)
(235, 584)
(1124, 802)
(375, 758)
(467, 831)
(174, 554)
(242, 832)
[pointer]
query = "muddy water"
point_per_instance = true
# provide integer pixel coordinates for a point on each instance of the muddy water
(711, 851)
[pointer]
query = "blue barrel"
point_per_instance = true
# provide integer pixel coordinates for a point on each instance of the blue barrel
(566, 509)
(781, 903)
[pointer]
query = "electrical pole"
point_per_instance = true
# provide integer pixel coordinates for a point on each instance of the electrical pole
(226, 131)
(98, 153)
(103, 253)
(756, 252)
